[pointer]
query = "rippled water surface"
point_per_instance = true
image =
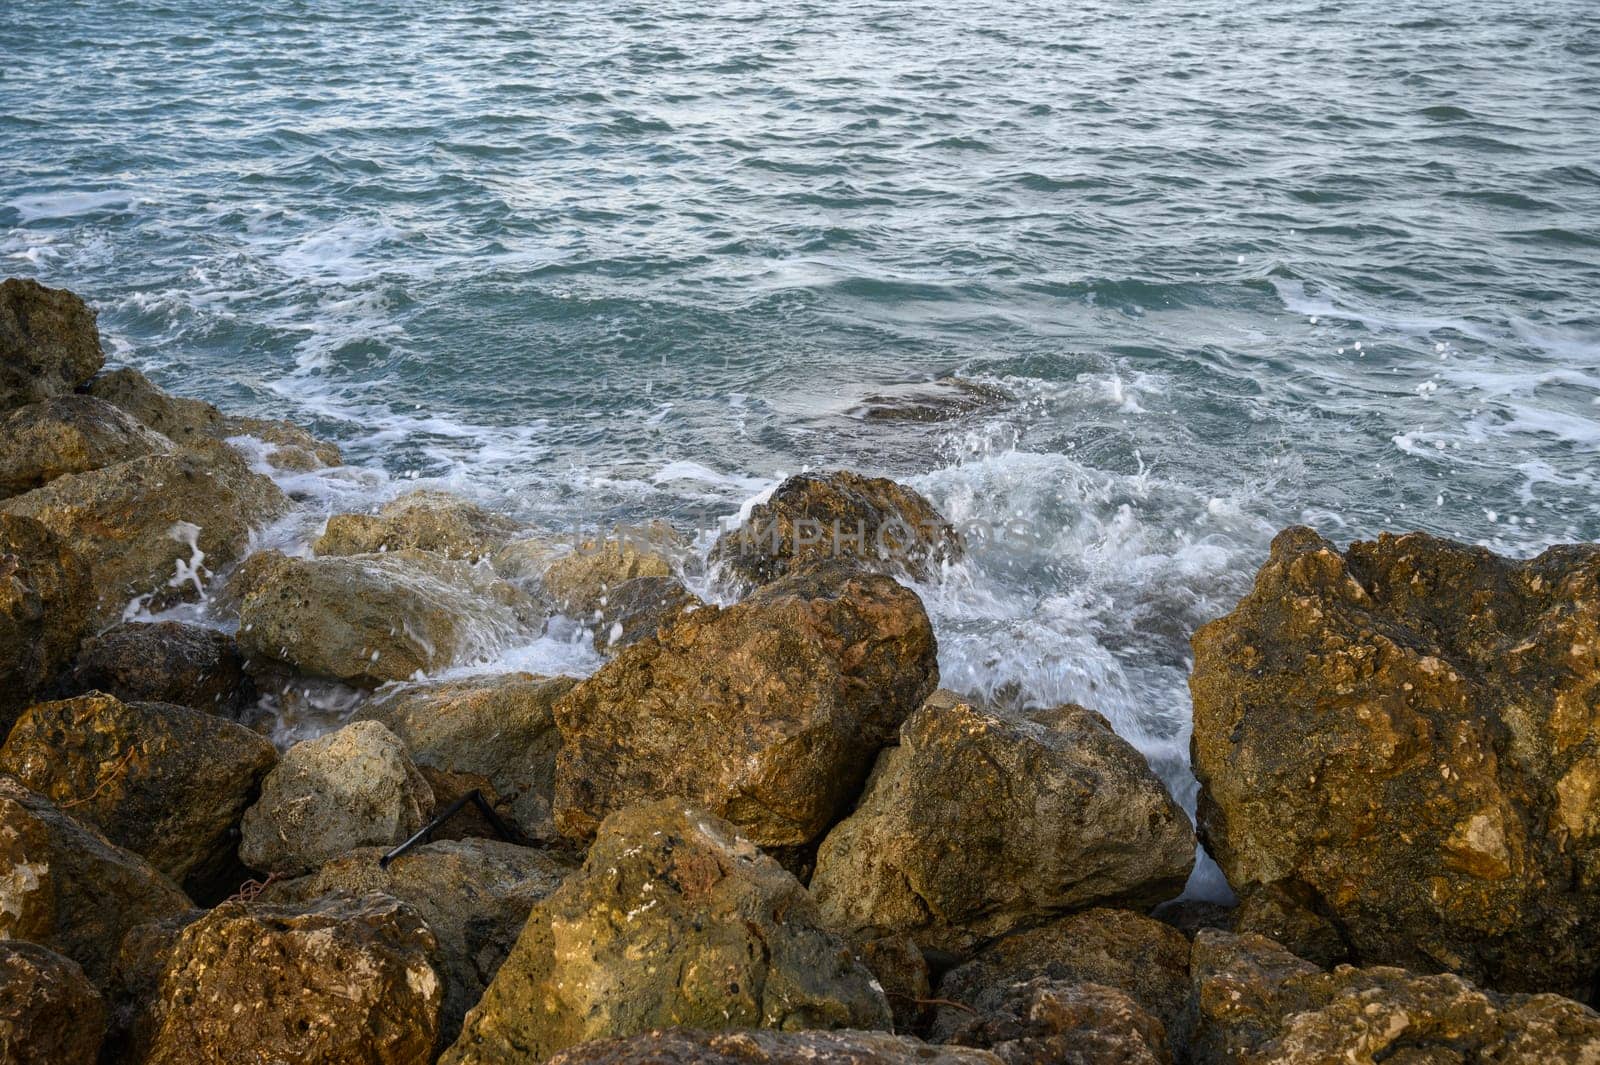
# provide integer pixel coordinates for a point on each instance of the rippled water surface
(1232, 266)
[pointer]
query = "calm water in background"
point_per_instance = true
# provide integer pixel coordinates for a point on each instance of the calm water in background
(1239, 265)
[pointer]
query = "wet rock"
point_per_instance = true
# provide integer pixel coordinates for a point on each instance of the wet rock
(501, 728)
(674, 918)
(1255, 1004)
(678, 1046)
(639, 608)
(767, 713)
(579, 582)
(944, 400)
(1407, 730)
(49, 344)
(168, 783)
(367, 619)
(49, 1014)
(45, 601)
(881, 526)
(288, 446)
(426, 520)
(1285, 912)
(351, 981)
(979, 822)
(356, 787)
(1138, 956)
(1046, 1022)
(158, 526)
(475, 896)
(524, 560)
(165, 662)
(68, 434)
(63, 886)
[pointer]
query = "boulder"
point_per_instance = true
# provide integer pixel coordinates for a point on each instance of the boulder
(639, 608)
(156, 526)
(767, 713)
(475, 896)
(288, 447)
(678, 1046)
(352, 788)
(1255, 1003)
(981, 821)
(673, 919)
(1406, 731)
(1285, 911)
(351, 981)
(63, 886)
(426, 520)
(578, 582)
(875, 523)
(1046, 1022)
(165, 662)
(368, 619)
(168, 783)
(68, 434)
(49, 344)
(501, 728)
(1135, 955)
(49, 1013)
(45, 601)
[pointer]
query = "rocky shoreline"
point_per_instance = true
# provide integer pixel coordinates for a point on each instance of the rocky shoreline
(760, 832)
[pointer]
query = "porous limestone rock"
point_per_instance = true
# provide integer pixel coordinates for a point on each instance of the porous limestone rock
(165, 662)
(1048, 1022)
(68, 434)
(680, 1046)
(639, 608)
(425, 519)
(45, 601)
(579, 582)
(49, 344)
(49, 1013)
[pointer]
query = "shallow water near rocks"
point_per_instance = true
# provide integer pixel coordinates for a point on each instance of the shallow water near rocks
(1221, 268)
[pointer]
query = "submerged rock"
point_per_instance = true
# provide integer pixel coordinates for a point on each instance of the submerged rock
(673, 919)
(881, 526)
(45, 601)
(679, 1046)
(424, 519)
(980, 822)
(63, 886)
(356, 787)
(1047, 1022)
(68, 434)
(1257, 1004)
(49, 344)
(944, 400)
(767, 713)
(166, 782)
(49, 1014)
(165, 662)
(367, 619)
(639, 608)
(1404, 735)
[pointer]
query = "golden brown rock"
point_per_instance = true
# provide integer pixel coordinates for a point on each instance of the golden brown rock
(680, 1046)
(1047, 1022)
(579, 582)
(639, 608)
(424, 519)
(49, 344)
(45, 601)
(49, 1014)
(68, 434)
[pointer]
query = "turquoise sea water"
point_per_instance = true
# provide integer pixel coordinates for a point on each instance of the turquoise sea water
(1236, 265)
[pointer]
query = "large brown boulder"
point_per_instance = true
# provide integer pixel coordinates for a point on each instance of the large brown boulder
(426, 520)
(68, 434)
(49, 1013)
(881, 526)
(45, 601)
(679, 1046)
(981, 821)
(500, 728)
(673, 919)
(165, 662)
(368, 619)
(350, 981)
(168, 783)
(1256, 1004)
(49, 344)
(159, 525)
(767, 713)
(1048, 1022)
(356, 787)
(1406, 731)
(63, 886)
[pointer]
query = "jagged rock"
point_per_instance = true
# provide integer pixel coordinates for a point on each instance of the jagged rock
(767, 713)
(579, 582)
(49, 1014)
(45, 601)
(63, 886)
(1408, 731)
(475, 896)
(351, 981)
(979, 822)
(639, 608)
(49, 344)
(68, 434)
(356, 787)
(367, 619)
(165, 662)
(424, 519)
(1285, 912)
(673, 919)
(158, 525)
(1046, 1022)
(881, 526)
(501, 728)
(1257, 1004)
(1139, 956)
(168, 783)
(678, 1046)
